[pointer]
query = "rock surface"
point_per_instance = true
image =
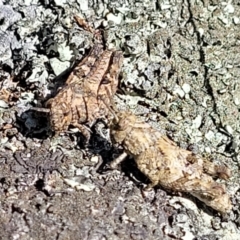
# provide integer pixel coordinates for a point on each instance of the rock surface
(180, 74)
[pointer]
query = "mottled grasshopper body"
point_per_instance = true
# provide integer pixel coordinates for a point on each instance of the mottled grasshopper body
(165, 164)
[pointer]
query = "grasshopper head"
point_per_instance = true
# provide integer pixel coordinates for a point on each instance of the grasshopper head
(60, 115)
(122, 125)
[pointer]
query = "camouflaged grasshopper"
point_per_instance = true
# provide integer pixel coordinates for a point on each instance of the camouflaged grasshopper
(79, 102)
(167, 165)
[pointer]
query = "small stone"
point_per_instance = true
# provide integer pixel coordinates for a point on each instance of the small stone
(221, 91)
(207, 149)
(71, 182)
(94, 159)
(165, 6)
(188, 235)
(209, 135)
(186, 88)
(187, 203)
(3, 104)
(65, 53)
(229, 8)
(236, 101)
(26, 97)
(189, 131)
(229, 129)
(116, 19)
(83, 4)
(224, 20)
(178, 91)
(201, 31)
(181, 218)
(75, 183)
(59, 66)
(85, 187)
(236, 20)
(4, 140)
(60, 3)
(197, 122)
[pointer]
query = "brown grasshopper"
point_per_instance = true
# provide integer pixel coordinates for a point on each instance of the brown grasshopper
(79, 101)
(165, 164)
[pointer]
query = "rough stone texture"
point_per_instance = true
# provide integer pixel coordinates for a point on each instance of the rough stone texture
(180, 74)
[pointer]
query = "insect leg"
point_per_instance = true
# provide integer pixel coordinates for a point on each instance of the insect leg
(216, 170)
(84, 130)
(118, 160)
(209, 167)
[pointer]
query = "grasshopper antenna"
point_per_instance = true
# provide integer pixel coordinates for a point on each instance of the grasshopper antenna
(82, 23)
